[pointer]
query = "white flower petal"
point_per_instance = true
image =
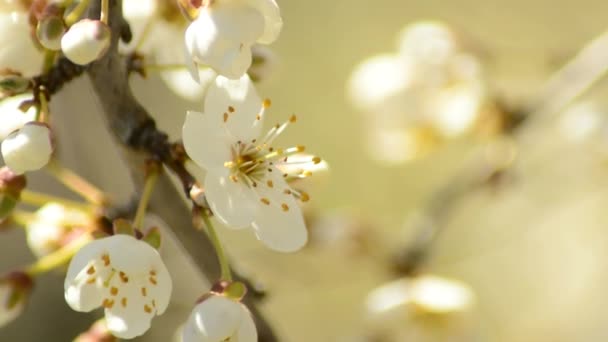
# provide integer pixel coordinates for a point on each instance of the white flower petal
(246, 331)
(273, 23)
(181, 83)
(27, 149)
(240, 96)
(232, 203)
(11, 117)
(191, 334)
(82, 259)
(206, 141)
(217, 318)
(130, 320)
(17, 49)
(123, 274)
(279, 229)
(221, 37)
(81, 296)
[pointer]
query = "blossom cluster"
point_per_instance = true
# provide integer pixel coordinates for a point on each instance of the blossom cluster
(432, 89)
(248, 180)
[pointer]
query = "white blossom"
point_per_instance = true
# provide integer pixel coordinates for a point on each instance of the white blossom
(244, 185)
(432, 294)
(18, 51)
(225, 30)
(11, 117)
(218, 318)
(86, 41)
(125, 276)
(28, 149)
(50, 227)
(162, 44)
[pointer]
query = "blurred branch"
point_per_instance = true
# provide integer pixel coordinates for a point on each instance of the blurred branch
(133, 127)
(565, 86)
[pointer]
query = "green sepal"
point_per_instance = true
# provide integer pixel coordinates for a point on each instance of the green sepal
(153, 237)
(235, 290)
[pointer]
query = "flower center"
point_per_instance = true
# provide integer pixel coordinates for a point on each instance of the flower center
(252, 162)
(118, 287)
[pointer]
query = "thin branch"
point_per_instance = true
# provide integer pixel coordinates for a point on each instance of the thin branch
(569, 83)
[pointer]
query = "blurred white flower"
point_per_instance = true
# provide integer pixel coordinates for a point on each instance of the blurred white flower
(125, 276)
(401, 298)
(218, 318)
(11, 117)
(429, 92)
(51, 225)
(29, 148)
(86, 41)
(244, 184)
(581, 121)
(18, 51)
(224, 31)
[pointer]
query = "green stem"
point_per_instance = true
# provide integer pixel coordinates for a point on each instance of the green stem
(59, 257)
(76, 183)
(78, 11)
(49, 60)
(22, 218)
(219, 249)
(40, 199)
(145, 198)
(42, 115)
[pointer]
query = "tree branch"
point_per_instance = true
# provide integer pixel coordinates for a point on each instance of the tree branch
(132, 126)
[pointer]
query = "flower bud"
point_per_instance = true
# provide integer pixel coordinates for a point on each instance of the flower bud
(49, 31)
(28, 148)
(12, 117)
(14, 293)
(11, 185)
(53, 226)
(86, 41)
(18, 53)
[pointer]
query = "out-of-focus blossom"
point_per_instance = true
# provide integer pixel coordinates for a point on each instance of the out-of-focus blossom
(18, 50)
(400, 308)
(51, 227)
(431, 294)
(430, 91)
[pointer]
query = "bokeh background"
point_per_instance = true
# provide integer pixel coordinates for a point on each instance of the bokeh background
(533, 249)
